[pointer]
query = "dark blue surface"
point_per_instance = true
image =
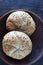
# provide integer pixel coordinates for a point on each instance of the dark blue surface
(33, 5)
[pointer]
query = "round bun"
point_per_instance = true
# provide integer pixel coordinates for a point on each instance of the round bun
(21, 21)
(17, 44)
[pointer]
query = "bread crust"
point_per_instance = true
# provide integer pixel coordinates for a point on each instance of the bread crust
(17, 44)
(21, 21)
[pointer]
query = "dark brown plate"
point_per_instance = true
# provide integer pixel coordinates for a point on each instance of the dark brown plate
(37, 39)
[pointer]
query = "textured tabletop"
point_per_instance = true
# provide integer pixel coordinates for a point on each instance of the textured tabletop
(33, 5)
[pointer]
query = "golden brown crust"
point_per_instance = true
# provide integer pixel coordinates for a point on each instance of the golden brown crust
(10, 25)
(21, 21)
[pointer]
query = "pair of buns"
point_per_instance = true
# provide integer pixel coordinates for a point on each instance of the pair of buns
(17, 43)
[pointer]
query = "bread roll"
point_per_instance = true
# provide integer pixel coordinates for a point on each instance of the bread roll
(21, 21)
(17, 45)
